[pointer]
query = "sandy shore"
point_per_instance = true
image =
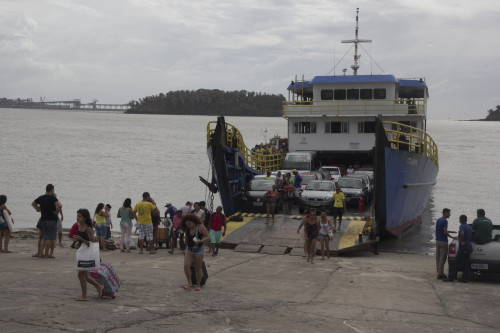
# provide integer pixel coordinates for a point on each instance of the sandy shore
(246, 292)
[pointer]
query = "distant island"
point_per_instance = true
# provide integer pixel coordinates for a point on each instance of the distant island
(210, 102)
(493, 115)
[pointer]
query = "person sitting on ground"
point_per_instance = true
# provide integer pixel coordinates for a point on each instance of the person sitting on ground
(4, 226)
(482, 228)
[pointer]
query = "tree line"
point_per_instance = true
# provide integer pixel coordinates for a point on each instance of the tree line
(494, 114)
(211, 102)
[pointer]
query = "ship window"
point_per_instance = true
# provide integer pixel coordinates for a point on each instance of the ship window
(366, 127)
(366, 94)
(304, 127)
(339, 94)
(352, 94)
(326, 94)
(337, 127)
(379, 93)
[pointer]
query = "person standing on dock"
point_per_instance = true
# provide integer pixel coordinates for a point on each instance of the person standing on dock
(186, 209)
(339, 207)
(143, 210)
(4, 225)
(49, 207)
(311, 234)
(442, 235)
(297, 185)
(464, 251)
(170, 212)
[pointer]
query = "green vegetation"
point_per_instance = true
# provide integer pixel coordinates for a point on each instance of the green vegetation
(494, 115)
(211, 102)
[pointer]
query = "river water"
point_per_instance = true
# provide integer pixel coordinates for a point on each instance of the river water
(93, 157)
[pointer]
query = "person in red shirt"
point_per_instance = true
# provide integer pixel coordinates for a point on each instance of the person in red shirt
(217, 221)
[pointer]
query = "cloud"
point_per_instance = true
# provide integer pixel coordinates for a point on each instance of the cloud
(116, 51)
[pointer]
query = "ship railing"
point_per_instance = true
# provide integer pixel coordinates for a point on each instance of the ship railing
(356, 107)
(404, 137)
(256, 160)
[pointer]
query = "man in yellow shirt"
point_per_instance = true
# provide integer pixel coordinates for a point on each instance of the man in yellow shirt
(143, 211)
(338, 207)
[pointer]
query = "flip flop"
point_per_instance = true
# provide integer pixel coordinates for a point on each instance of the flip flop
(186, 288)
(197, 289)
(81, 299)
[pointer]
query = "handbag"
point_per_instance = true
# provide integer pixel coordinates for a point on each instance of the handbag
(87, 257)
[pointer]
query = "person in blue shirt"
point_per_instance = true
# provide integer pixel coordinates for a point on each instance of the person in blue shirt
(442, 235)
(170, 211)
(464, 251)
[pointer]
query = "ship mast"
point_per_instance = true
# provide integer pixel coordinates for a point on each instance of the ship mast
(356, 41)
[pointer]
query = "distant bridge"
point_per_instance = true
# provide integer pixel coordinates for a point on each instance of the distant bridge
(75, 104)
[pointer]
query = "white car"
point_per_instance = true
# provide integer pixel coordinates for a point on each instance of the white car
(318, 194)
(485, 258)
(334, 171)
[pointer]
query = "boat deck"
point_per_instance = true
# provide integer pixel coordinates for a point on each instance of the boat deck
(280, 237)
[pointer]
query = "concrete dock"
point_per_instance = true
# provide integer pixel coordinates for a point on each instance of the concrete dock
(245, 292)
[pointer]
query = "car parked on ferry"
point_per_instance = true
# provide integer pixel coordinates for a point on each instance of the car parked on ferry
(353, 188)
(366, 171)
(255, 199)
(366, 182)
(317, 194)
(484, 259)
(335, 171)
(322, 175)
(307, 178)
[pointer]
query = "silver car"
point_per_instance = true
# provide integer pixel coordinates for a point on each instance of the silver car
(318, 194)
(353, 189)
(485, 258)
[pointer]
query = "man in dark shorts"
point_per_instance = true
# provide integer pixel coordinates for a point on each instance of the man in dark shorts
(338, 207)
(49, 207)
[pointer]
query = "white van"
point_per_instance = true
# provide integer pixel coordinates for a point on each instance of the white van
(300, 160)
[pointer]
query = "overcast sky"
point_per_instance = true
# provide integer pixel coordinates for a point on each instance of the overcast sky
(119, 50)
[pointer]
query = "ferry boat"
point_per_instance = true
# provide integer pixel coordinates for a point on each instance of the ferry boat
(376, 120)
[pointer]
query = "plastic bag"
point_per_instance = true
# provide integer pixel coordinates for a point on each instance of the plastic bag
(87, 257)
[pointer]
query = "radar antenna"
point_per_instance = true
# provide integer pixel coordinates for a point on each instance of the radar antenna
(356, 41)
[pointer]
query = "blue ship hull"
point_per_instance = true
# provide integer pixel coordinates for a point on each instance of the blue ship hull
(403, 184)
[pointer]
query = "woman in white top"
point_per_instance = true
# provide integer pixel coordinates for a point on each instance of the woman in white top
(324, 238)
